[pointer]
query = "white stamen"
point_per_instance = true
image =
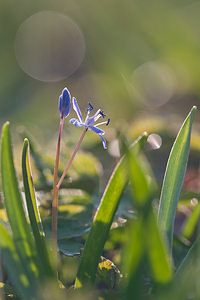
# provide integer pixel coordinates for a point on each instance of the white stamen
(88, 114)
(95, 117)
(100, 123)
(98, 111)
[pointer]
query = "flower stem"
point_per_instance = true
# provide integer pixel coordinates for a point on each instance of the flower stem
(72, 157)
(55, 189)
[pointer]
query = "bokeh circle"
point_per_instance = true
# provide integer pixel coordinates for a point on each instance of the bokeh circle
(49, 46)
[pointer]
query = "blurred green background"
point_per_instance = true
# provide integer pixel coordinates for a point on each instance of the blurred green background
(138, 60)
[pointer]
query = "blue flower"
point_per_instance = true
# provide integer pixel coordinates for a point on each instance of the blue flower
(89, 122)
(64, 103)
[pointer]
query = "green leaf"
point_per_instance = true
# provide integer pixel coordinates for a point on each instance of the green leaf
(77, 205)
(103, 220)
(14, 208)
(40, 165)
(15, 269)
(188, 261)
(188, 272)
(140, 186)
(135, 248)
(157, 252)
(145, 237)
(66, 228)
(69, 247)
(173, 178)
(34, 214)
(191, 222)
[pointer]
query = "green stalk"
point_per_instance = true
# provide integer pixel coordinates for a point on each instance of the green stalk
(55, 189)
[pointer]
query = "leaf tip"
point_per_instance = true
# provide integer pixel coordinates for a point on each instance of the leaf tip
(6, 125)
(145, 133)
(26, 145)
(193, 110)
(26, 141)
(5, 129)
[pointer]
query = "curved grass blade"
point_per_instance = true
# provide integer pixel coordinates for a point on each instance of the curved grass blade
(191, 223)
(143, 191)
(190, 263)
(16, 272)
(145, 241)
(173, 179)
(188, 272)
(159, 258)
(14, 208)
(33, 212)
(40, 165)
(103, 220)
(133, 258)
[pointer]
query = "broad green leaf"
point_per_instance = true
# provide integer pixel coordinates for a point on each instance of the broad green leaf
(103, 220)
(83, 159)
(14, 208)
(69, 247)
(173, 179)
(76, 204)
(66, 228)
(15, 269)
(34, 214)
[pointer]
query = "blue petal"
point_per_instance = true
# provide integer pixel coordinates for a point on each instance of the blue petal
(96, 130)
(90, 121)
(64, 103)
(77, 110)
(104, 141)
(76, 123)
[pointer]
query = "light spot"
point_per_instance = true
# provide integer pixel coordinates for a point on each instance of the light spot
(154, 141)
(194, 201)
(114, 149)
(49, 46)
(153, 83)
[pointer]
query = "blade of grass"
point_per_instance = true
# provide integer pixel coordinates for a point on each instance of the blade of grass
(133, 258)
(103, 220)
(191, 222)
(38, 160)
(149, 236)
(14, 208)
(33, 212)
(140, 186)
(158, 255)
(173, 179)
(188, 272)
(15, 269)
(188, 261)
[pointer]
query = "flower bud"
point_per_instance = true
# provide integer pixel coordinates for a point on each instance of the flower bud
(65, 103)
